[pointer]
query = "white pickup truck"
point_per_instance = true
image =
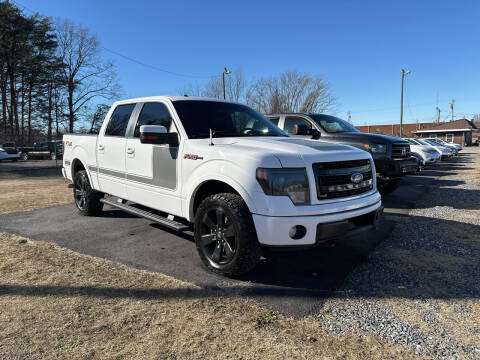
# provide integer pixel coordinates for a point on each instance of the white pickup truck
(227, 170)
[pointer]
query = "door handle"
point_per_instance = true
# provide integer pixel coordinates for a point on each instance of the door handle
(130, 151)
(101, 147)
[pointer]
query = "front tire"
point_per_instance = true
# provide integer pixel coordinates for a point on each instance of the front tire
(24, 156)
(386, 187)
(53, 156)
(225, 235)
(86, 199)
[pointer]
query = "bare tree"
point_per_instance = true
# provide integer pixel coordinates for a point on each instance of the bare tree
(86, 75)
(291, 91)
(235, 86)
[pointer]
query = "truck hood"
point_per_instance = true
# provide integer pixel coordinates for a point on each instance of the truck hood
(365, 137)
(291, 152)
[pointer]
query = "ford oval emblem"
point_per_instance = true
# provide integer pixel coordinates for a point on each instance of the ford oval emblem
(356, 178)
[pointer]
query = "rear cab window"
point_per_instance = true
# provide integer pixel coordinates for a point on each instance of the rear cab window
(117, 126)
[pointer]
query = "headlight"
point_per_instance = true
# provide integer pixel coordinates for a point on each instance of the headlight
(376, 148)
(291, 182)
(2, 150)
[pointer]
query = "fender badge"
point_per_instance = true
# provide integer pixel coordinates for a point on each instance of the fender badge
(192, 157)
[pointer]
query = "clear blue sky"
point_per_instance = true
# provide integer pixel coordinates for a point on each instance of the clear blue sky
(358, 46)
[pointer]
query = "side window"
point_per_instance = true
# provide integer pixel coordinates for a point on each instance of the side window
(274, 121)
(290, 122)
(154, 114)
(119, 120)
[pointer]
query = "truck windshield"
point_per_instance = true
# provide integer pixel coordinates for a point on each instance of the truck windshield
(224, 119)
(332, 124)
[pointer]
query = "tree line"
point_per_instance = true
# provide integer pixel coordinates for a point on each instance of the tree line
(53, 80)
(290, 91)
(51, 75)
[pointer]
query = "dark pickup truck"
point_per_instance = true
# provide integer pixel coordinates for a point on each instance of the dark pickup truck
(44, 150)
(391, 154)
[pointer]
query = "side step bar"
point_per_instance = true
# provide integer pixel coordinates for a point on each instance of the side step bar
(147, 215)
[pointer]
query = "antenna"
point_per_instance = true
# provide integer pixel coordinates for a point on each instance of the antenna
(211, 137)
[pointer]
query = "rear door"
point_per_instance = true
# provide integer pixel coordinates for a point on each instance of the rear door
(152, 170)
(111, 151)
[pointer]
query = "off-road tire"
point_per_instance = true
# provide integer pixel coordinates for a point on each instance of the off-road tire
(24, 156)
(248, 251)
(386, 187)
(90, 205)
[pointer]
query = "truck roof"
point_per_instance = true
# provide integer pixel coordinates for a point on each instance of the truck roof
(167, 97)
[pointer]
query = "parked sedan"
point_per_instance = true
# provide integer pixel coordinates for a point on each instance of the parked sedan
(444, 151)
(439, 142)
(443, 142)
(8, 151)
(428, 153)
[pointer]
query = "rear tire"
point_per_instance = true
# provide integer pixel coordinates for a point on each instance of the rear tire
(225, 235)
(86, 199)
(53, 156)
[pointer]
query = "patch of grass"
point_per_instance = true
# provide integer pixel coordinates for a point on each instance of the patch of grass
(105, 309)
(266, 318)
(22, 241)
(71, 346)
(23, 193)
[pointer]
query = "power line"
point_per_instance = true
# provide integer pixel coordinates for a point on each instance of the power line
(157, 68)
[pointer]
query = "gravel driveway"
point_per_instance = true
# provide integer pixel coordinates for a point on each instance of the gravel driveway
(421, 286)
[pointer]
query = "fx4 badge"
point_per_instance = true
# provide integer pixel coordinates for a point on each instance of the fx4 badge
(192, 157)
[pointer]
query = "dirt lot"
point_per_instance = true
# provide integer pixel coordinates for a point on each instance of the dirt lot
(32, 189)
(60, 304)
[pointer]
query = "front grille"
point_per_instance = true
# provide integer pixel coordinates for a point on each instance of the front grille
(334, 179)
(400, 150)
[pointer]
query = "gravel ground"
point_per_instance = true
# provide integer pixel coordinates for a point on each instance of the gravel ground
(421, 287)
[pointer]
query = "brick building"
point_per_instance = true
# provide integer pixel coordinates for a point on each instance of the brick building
(460, 131)
(394, 129)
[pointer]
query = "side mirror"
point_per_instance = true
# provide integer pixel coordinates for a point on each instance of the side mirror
(302, 129)
(157, 134)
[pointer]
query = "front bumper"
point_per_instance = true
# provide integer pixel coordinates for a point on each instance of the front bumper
(274, 231)
(7, 156)
(395, 167)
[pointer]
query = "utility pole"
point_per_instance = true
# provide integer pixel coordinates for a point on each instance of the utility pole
(403, 72)
(438, 115)
(451, 106)
(349, 117)
(225, 72)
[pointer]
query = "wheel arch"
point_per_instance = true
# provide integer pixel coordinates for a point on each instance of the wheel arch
(78, 165)
(210, 187)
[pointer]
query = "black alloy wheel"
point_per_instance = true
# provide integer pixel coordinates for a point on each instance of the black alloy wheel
(219, 242)
(80, 192)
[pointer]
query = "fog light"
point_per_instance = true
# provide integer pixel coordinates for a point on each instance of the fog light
(297, 232)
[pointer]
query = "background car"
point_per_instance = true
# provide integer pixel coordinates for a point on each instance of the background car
(43, 150)
(428, 154)
(443, 142)
(444, 151)
(437, 141)
(8, 151)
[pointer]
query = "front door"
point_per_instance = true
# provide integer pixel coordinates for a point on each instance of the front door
(152, 170)
(291, 121)
(111, 152)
